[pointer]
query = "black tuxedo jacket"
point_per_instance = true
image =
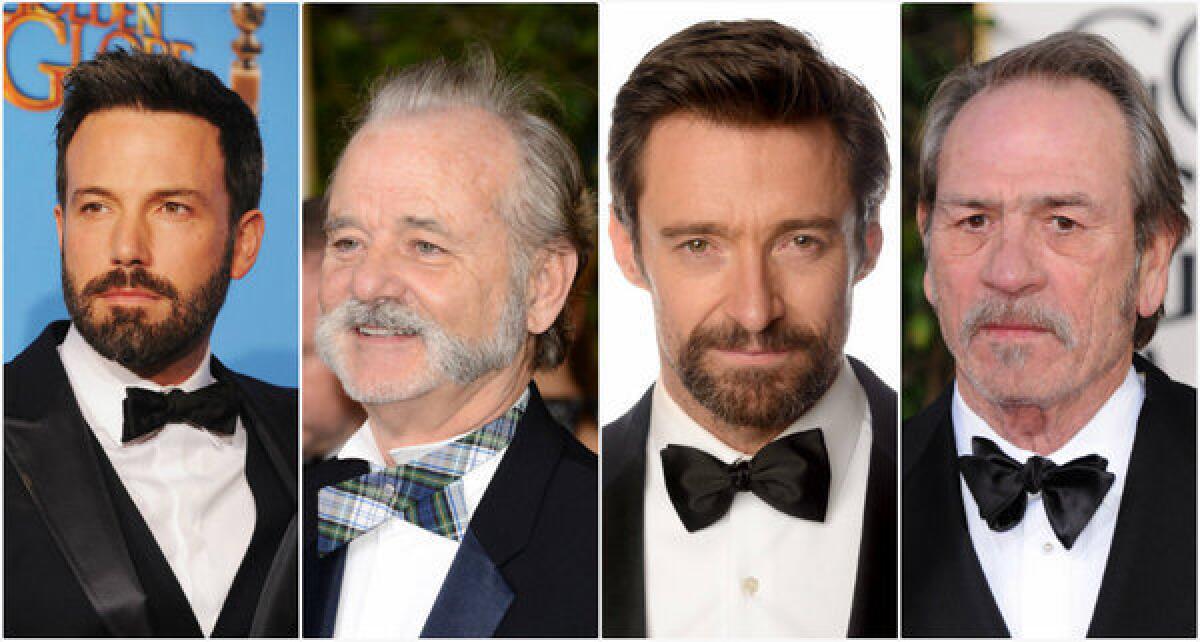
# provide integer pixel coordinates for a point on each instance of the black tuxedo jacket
(79, 560)
(1149, 583)
(873, 613)
(527, 564)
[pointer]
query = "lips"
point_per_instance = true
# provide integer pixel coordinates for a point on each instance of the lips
(128, 294)
(376, 331)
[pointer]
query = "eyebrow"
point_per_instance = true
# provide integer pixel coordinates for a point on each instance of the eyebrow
(719, 229)
(156, 195)
(335, 223)
(1050, 200)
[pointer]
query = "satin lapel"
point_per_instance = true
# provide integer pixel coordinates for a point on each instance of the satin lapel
(873, 613)
(945, 593)
(624, 463)
(59, 468)
(322, 585)
(1149, 587)
(473, 599)
(499, 529)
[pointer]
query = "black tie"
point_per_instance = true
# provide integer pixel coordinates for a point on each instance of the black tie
(1071, 493)
(789, 474)
(213, 407)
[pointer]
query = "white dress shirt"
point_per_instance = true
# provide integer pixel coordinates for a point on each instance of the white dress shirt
(394, 573)
(189, 484)
(1044, 590)
(757, 571)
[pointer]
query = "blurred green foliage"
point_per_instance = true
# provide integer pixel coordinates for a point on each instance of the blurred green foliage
(937, 38)
(350, 45)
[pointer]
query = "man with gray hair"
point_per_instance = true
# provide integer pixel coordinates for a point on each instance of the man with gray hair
(457, 222)
(1050, 492)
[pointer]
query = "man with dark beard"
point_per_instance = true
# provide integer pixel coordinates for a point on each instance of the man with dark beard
(149, 490)
(457, 219)
(747, 175)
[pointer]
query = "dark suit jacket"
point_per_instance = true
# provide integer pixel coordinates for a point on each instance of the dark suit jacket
(1149, 584)
(78, 559)
(527, 564)
(873, 613)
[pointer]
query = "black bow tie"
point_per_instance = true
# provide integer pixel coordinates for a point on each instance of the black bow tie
(213, 407)
(1071, 493)
(789, 474)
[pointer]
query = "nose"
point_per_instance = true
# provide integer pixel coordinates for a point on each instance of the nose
(378, 274)
(130, 241)
(1013, 265)
(754, 299)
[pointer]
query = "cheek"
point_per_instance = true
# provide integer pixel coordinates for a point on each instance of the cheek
(332, 286)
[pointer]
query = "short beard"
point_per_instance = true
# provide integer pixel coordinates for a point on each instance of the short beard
(449, 358)
(126, 337)
(760, 397)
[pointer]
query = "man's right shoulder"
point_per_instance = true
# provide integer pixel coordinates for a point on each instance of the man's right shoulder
(35, 369)
(624, 440)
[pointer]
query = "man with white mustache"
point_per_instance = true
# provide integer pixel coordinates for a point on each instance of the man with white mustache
(457, 222)
(1050, 492)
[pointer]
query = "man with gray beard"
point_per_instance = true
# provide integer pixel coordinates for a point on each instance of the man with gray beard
(1050, 492)
(457, 222)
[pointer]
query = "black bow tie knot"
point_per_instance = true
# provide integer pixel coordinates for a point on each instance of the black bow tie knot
(1071, 493)
(213, 407)
(789, 474)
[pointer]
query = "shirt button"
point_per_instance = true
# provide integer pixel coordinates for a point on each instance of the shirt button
(1047, 547)
(750, 586)
(389, 489)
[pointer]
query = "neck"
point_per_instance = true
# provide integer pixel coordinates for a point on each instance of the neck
(179, 370)
(1044, 427)
(447, 411)
(744, 439)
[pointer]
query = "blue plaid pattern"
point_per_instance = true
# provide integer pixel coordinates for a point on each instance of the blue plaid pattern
(426, 492)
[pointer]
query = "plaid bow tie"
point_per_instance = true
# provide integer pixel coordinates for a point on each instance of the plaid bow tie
(426, 492)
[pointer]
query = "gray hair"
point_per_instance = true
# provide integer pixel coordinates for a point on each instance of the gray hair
(1155, 178)
(548, 205)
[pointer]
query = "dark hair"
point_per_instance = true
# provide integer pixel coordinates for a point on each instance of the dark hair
(1157, 189)
(313, 228)
(753, 72)
(159, 82)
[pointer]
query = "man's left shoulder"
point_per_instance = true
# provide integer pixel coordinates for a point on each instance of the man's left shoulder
(1164, 394)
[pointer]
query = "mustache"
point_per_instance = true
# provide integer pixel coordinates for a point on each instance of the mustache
(1023, 311)
(776, 337)
(130, 278)
(385, 314)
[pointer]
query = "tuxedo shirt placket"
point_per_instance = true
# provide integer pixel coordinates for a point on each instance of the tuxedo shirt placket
(1042, 589)
(754, 573)
(188, 484)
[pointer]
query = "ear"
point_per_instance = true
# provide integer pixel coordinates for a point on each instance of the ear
(58, 224)
(922, 216)
(622, 244)
(549, 286)
(1153, 271)
(247, 240)
(872, 244)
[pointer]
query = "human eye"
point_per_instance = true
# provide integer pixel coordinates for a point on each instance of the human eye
(426, 248)
(973, 222)
(175, 208)
(93, 207)
(343, 244)
(804, 241)
(696, 246)
(1063, 223)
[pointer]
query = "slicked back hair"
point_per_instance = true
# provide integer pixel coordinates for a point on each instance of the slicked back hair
(548, 204)
(1154, 176)
(753, 72)
(160, 82)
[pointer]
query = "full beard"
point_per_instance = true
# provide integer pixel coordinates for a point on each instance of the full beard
(126, 336)
(761, 397)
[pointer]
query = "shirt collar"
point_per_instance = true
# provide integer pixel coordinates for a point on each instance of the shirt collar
(99, 383)
(362, 444)
(1109, 433)
(840, 414)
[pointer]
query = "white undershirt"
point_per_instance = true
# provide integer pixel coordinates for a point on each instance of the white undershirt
(394, 573)
(757, 571)
(1042, 589)
(188, 484)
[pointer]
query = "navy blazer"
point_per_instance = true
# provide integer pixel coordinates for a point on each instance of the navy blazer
(527, 564)
(1149, 584)
(873, 612)
(69, 568)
